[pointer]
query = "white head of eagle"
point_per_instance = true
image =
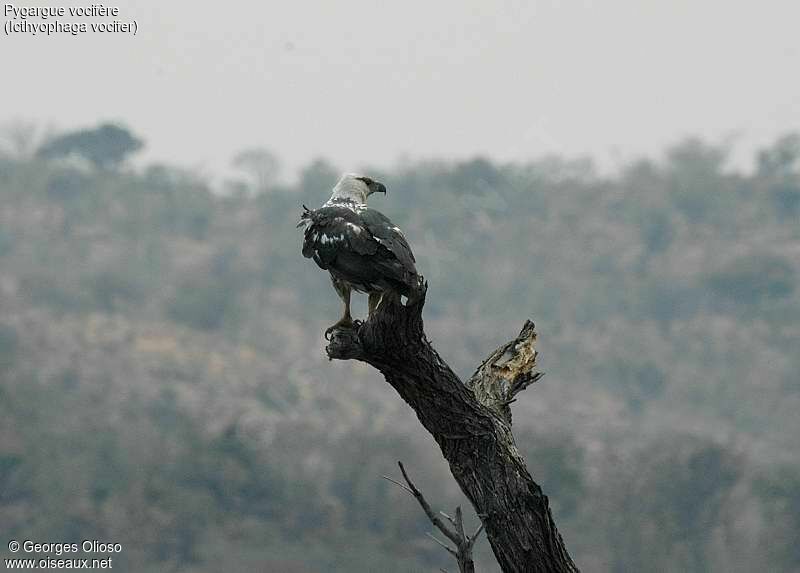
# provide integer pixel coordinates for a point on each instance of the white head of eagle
(356, 188)
(360, 247)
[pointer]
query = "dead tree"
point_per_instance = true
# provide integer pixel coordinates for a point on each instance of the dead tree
(471, 423)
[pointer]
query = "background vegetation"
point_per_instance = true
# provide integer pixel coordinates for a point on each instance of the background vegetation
(162, 380)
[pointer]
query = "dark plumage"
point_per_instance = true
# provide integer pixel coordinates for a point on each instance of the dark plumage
(360, 247)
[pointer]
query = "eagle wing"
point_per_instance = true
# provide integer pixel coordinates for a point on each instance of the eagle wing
(362, 246)
(390, 236)
(332, 228)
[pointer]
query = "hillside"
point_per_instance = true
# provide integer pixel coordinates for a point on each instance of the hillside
(163, 382)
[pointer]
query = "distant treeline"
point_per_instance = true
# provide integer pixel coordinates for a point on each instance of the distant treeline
(163, 385)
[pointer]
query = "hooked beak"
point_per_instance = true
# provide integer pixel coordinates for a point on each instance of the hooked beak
(377, 187)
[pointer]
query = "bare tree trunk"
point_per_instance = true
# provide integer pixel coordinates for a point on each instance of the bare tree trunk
(472, 425)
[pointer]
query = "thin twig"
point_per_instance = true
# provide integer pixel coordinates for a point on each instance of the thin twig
(450, 519)
(475, 536)
(395, 482)
(464, 543)
(443, 544)
(460, 523)
(441, 526)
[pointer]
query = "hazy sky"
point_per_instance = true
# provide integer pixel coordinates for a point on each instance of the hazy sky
(365, 82)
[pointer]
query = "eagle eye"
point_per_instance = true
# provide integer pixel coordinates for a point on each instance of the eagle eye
(366, 180)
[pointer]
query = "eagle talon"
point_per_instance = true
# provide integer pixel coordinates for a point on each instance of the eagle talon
(342, 324)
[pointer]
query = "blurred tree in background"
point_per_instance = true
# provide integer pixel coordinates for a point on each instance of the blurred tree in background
(260, 166)
(780, 492)
(105, 146)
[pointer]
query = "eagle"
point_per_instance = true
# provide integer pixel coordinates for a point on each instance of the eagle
(360, 247)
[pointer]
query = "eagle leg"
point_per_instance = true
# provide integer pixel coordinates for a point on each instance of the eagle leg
(374, 300)
(343, 290)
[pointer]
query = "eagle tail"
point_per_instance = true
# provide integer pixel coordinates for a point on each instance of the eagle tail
(306, 217)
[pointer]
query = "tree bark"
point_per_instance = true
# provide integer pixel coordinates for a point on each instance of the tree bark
(472, 425)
